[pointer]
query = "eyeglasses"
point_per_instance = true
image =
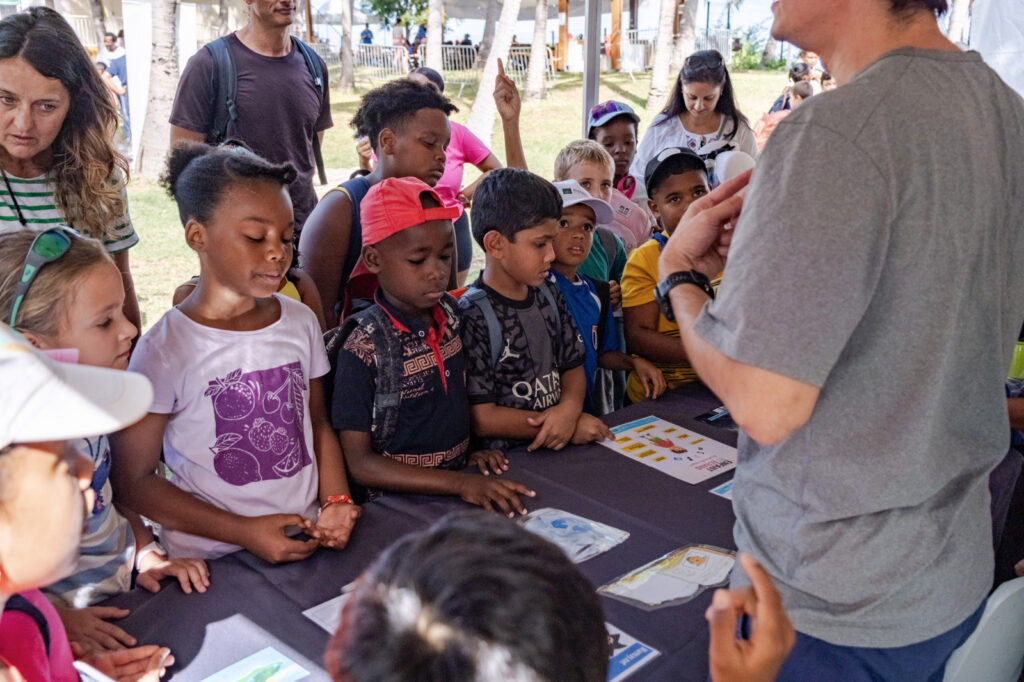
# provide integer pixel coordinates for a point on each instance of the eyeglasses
(47, 247)
(705, 58)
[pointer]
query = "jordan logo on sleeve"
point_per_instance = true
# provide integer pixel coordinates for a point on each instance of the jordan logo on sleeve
(259, 420)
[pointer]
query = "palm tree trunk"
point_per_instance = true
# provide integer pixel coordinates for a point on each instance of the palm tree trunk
(686, 41)
(481, 114)
(768, 56)
(662, 56)
(97, 22)
(484, 48)
(163, 81)
(958, 15)
(536, 74)
(347, 81)
(435, 30)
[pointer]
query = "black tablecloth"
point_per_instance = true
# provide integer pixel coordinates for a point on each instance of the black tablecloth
(252, 604)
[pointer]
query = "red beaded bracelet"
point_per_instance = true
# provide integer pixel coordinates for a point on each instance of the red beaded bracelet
(337, 499)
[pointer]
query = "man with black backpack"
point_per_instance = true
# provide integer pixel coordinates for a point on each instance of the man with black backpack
(262, 87)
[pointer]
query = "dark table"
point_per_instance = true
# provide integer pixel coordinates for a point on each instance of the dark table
(252, 604)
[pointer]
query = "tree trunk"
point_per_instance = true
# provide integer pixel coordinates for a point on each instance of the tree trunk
(348, 76)
(770, 47)
(481, 115)
(536, 75)
(163, 81)
(97, 22)
(484, 48)
(662, 56)
(222, 18)
(435, 34)
(958, 15)
(686, 41)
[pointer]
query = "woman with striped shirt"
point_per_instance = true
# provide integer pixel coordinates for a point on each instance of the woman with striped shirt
(57, 160)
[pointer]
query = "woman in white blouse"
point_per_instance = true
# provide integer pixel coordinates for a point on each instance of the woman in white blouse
(701, 115)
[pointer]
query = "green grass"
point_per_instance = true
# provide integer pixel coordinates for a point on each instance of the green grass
(161, 261)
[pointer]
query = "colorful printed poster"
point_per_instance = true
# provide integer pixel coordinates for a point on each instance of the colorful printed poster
(672, 450)
(626, 655)
(266, 665)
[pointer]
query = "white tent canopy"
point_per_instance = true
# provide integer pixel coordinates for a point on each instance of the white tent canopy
(997, 32)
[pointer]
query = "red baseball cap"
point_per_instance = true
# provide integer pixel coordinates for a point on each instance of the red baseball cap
(393, 205)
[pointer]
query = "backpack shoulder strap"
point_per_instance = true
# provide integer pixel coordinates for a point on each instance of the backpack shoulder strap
(604, 296)
(478, 297)
(611, 247)
(355, 190)
(19, 604)
(225, 78)
(320, 82)
(545, 290)
(387, 395)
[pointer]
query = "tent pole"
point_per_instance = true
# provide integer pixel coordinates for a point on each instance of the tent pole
(616, 41)
(591, 58)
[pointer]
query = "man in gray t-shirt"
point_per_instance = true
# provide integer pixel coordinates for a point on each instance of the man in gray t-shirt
(861, 336)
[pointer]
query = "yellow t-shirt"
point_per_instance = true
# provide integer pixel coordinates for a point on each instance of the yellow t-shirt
(639, 278)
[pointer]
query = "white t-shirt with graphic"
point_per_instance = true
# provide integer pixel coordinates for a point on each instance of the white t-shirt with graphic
(239, 434)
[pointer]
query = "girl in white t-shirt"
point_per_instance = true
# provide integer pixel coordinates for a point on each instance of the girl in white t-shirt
(238, 410)
(74, 306)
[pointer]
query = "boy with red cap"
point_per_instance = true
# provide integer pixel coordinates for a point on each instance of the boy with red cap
(400, 405)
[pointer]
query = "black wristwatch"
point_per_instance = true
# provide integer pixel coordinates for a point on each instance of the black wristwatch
(672, 281)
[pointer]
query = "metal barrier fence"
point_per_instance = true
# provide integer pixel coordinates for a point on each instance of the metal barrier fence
(637, 51)
(332, 59)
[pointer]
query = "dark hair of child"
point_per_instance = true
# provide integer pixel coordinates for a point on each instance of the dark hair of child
(393, 103)
(675, 165)
(799, 71)
(938, 7)
(431, 75)
(358, 173)
(705, 66)
(511, 200)
(825, 76)
(199, 175)
(474, 597)
(803, 90)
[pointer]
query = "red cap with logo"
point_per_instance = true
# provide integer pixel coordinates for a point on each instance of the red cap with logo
(393, 205)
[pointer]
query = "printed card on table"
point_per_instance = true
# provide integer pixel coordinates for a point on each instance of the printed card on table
(673, 579)
(625, 654)
(724, 490)
(578, 537)
(327, 614)
(263, 666)
(673, 450)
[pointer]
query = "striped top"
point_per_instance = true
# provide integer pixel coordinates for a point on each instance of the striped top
(35, 197)
(107, 556)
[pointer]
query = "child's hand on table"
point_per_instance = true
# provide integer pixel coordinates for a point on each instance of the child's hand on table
(141, 664)
(651, 377)
(190, 573)
(335, 524)
(494, 495)
(88, 628)
(557, 425)
(264, 536)
(488, 461)
(589, 429)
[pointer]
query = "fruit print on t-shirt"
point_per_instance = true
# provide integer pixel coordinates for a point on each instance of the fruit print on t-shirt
(258, 417)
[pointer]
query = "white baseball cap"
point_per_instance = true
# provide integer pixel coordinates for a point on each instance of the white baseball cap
(44, 400)
(572, 193)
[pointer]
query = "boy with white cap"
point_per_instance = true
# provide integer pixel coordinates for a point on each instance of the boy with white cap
(45, 496)
(587, 299)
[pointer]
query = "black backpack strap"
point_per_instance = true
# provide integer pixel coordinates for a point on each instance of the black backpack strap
(478, 297)
(611, 247)
(604, 296)
(320, 82)
(19, 604)
(387, 397)
(225, 86)
(546, 292)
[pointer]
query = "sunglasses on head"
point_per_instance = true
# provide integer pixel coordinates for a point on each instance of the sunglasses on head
(706, 58)
(48, 246)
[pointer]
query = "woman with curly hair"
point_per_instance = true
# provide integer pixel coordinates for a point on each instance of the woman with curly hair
(57, 123)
